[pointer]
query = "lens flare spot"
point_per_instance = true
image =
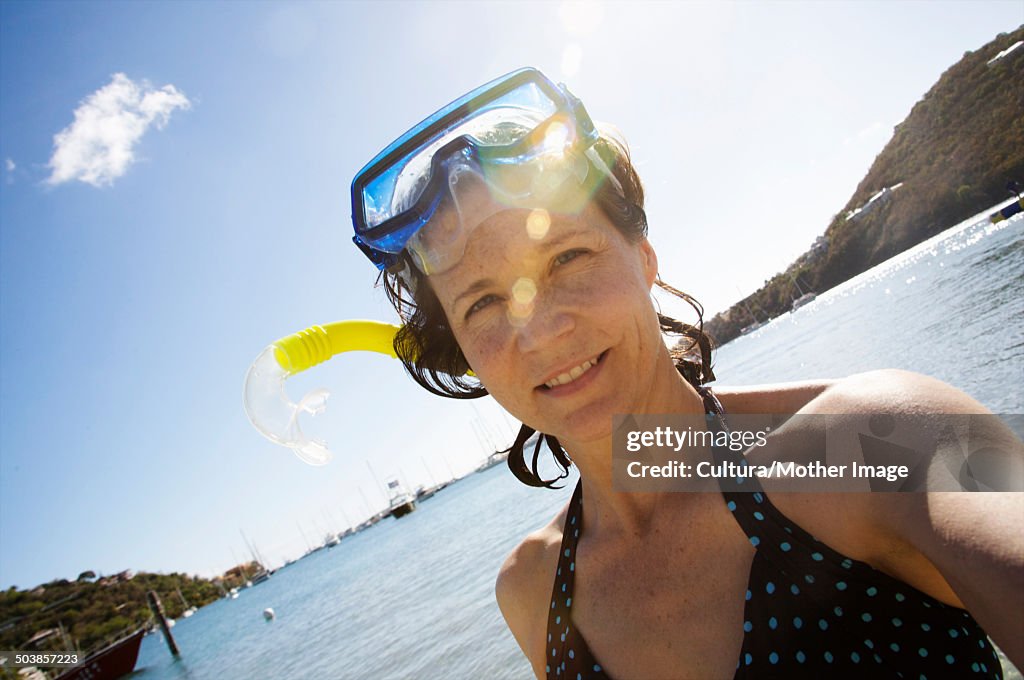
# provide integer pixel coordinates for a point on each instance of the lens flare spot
(524, 290)
(572, 58)
(556, 137)
(537, 224)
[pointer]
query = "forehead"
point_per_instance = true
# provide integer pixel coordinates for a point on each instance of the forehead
(520, 237)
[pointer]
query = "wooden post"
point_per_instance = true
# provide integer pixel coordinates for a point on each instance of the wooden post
(158, 611)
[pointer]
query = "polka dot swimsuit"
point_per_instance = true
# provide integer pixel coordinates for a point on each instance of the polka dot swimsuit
(810, 612)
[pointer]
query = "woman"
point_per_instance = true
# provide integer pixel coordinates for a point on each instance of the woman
(512, 240)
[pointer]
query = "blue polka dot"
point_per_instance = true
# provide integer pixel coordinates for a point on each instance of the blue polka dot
(563, 587)
(847, 563)
(552, 604)
(563, 637)
(554, 651)
(749, 595)
(547, 669)
(878, 659)
(865, 617)
(579, 676)
(597, 668)
(769, 587)
(809, 578)
(800, 657)
(773, 623)
(829, 657)
(981, 643)
(894, 647)
(823, 624)
(572, 654)
(984, 668)
(731, 505)
(566, 552)
(897, 622)
(855, 657)
(747, 659)
(900, 597)
(758, 498)
(925, 627)
(558, 620)
(549, 637)
(872, 591)
(975, 667)
(841, 585)
(572, 566)
(793, 589)
(747, 626)
(568, 602)
(773, 657)
(869, 644)
(923, 652)
(754, 540)
(817, 557)
(953, 633)
(950, 659)
(798, 623)
(786, 547)
(758, 515)
(838, 611)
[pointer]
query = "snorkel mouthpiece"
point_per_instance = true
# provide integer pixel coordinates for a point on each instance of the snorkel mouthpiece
(267, 404)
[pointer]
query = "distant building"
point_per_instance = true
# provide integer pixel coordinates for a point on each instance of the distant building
(1005, 52)
(883, 196)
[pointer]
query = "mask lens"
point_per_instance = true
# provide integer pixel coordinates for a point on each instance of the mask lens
(501, 121)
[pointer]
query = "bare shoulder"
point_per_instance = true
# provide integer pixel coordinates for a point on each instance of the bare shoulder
(871, 391)
(894, 391)
(523, 588)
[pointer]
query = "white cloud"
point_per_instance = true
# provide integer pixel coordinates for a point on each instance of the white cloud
(98, 147)
(10, 166)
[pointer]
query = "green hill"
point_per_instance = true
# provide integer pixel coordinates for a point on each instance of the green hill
(91, 611)
(951, 157)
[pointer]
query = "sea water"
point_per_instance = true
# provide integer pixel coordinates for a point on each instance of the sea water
(413, 598)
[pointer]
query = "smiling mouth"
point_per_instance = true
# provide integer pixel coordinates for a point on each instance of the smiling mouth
(573, 373)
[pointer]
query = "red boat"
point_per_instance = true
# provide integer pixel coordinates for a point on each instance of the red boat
(109, 663)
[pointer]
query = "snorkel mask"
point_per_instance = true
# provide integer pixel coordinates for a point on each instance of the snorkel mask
(528, 141)
(517, 142)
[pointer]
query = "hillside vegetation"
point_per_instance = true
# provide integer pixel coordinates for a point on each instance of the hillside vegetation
(93, 611)
(954, 154)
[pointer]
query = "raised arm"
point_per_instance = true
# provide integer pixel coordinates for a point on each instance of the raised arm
(974, 540)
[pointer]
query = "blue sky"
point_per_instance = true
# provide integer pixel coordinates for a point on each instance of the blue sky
(138, 283)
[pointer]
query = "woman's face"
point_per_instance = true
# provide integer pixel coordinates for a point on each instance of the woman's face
(553, 313)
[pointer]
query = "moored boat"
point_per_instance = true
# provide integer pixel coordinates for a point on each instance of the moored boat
(111, 662)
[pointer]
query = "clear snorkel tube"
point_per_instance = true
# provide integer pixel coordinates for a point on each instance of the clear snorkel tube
(267, 404)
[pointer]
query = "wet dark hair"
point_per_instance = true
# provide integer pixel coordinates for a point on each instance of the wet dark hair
(428, 349)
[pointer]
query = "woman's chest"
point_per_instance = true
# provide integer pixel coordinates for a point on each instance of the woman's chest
(674, 609)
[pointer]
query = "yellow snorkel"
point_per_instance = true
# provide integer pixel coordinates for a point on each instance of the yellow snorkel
(267, 404)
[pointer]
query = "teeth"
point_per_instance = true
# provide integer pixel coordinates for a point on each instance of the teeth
(566, 378)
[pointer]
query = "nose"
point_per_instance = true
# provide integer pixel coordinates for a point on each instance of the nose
(538, 319)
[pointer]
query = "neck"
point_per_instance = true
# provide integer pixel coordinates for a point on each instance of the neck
(608, 512)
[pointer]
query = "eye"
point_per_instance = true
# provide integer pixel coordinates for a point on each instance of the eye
(569, 255)
(480, 304)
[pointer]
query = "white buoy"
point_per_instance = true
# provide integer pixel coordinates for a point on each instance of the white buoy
(268, 614)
